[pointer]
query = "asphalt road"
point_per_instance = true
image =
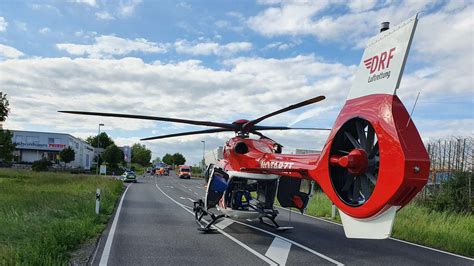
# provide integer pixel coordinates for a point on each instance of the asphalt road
(155, 226)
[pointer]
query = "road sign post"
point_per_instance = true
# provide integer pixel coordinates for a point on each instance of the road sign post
(97, 201)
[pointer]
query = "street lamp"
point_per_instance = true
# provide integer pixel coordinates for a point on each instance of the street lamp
(98, 145)
(203, 151)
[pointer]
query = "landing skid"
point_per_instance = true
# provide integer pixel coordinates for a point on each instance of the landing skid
(274, 224)
(200, 212)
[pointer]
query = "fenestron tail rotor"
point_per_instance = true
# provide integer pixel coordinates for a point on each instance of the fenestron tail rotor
(354, 161)
(241, 127)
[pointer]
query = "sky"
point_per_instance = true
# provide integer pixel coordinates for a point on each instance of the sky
(223, 61)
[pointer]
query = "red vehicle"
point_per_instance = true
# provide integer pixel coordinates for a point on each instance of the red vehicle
(373, 163)
(184, 172)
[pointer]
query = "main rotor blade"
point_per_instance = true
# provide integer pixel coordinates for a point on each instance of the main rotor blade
(249, 124)
(156, 118)
(216, 130)
(288, 128)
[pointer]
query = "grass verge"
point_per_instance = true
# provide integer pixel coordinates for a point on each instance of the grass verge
(44, 216)
(453, 232)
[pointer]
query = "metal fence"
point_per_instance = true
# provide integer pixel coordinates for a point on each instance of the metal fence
(448, 157)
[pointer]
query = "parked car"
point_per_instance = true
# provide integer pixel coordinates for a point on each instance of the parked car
(184, 172)
(129, 176)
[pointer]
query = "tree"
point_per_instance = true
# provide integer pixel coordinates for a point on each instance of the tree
(168, 159)
(156, 160)
(6, 137)
(3, 107)
(178, 159)
(41, 165)
(113, 155)
(6, 146)
(140, 154)
(67, 155)
(104, 140)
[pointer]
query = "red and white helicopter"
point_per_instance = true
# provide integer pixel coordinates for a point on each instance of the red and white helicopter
(373, 163)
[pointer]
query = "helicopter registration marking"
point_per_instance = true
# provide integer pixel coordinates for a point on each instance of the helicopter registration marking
(276, 165)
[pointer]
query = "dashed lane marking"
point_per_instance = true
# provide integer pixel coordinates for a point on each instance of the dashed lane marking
(292, 242)
(224, 223)
(279, 250)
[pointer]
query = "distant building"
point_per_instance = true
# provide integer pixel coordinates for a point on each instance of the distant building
(32, 146)
(303, 151)
(213, 156)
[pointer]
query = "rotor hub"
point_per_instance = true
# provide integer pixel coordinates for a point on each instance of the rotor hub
(356, 161)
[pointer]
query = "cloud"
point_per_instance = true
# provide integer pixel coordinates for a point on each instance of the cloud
(104, 15)
(361, 5)
(127, 7)
(211, 48)
(295, 18)
(44, 30)
(3, 24)
(22, 26)
(106, 46)
(92, 3)
(282, 45)
(185, 89)
(9, 52)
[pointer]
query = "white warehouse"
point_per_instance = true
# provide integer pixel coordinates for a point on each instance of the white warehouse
(32, 146)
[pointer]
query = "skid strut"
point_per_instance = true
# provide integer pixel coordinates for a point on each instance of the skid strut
(274, 224)
(200, 212)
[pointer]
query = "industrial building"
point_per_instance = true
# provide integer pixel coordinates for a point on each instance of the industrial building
(33, 146)
(213, 156)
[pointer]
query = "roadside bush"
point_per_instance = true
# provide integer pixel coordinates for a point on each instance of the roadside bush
(41, 165)
(196, 171)
(454, 195)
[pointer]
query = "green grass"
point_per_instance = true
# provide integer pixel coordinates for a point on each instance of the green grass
(453, 232)
(44, 216)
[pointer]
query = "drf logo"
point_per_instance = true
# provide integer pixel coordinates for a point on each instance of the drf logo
(379, 62)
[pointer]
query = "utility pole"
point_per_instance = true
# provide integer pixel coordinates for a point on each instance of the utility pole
(98, 145)
(203, 152)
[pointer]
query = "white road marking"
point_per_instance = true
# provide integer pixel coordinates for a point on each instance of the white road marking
(391, 238)
(182, 197)
(196, 194)
(279, 250)
(238, 242)
(249, 220)
(191, 200)
(105, 254)
(224, 223)
(292, 242)
(190, 189)
(184, 186)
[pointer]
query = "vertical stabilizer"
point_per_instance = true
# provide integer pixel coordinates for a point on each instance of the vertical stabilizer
(381, 68)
